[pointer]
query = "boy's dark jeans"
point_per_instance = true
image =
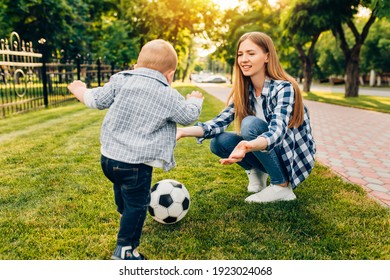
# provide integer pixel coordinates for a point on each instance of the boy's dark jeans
(132, 196)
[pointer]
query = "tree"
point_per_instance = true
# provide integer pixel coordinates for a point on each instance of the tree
(330, 59)
(304, 22)
(33, 20)
(256, 16)
(177, 21)
(375, 54)
(345, 18)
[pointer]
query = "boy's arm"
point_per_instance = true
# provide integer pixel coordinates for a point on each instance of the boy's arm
(83, 94)
(188, 111)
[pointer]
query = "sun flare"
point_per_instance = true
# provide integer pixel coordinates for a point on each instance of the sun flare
(229, 4)
(226, 4)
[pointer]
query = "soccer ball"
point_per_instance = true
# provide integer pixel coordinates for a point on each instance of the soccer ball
(169, 201)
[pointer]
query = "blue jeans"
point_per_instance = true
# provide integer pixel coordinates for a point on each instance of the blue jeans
(132, 197)
(270, 162)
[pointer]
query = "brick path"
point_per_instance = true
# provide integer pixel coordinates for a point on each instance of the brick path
(354, 143)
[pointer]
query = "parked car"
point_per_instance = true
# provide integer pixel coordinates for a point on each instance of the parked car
(214, 79)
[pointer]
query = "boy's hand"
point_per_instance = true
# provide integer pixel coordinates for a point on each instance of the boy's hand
(195, 94)
(78, 88)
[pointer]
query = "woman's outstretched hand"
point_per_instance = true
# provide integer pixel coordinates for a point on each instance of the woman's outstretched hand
(238, 153)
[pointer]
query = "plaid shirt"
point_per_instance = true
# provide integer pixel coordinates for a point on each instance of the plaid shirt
(297, 144)
(140, 124)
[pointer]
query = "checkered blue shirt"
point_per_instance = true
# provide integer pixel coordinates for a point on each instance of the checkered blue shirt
(143, 110)
(297, 144)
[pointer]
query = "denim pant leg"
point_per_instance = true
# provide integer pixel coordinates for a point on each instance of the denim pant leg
(131, 183)
(223, 144)
(251, 128)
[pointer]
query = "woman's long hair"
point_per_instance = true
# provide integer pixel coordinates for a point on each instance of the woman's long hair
(273, 69)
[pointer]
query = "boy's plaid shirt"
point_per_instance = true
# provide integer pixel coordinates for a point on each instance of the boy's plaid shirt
(143, 110)
(297, 144)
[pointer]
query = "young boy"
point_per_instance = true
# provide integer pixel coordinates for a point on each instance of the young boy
(139, 133)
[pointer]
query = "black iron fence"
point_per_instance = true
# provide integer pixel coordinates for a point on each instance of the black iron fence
(29, 80)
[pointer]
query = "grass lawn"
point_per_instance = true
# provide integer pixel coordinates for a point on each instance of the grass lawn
(55, 202)
(374, 103)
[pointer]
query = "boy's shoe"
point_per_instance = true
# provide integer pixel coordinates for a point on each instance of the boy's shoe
(127, 253)
(257, 180)
(272, 193)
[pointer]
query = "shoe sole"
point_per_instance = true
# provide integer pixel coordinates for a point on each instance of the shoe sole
(289, 198)
(115, 258)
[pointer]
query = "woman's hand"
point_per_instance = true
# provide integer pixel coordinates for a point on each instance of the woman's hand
(179, 133)
(238, 153)
(192, 131)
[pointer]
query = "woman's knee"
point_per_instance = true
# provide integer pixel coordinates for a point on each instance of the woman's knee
(215, 146)
(223, 144)
(252, 127)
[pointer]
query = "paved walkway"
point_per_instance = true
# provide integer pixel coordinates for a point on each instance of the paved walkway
(354, 143)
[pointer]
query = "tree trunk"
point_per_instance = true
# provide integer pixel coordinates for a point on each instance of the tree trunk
(352, 55)
(307, 61)
(307, 75)
(188, 64)
(352, 73)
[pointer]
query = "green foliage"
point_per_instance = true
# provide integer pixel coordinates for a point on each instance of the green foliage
(116, 45)
(375, 53)
(257, 17)
(305, 19)
(383, 7)
(55, 203)
(330, 59)
(33, 20)
(110, 29)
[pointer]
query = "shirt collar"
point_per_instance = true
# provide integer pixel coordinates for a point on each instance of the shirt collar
(265, 90)
(147, 72)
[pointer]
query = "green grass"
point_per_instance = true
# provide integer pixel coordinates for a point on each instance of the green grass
(55, 203)
(374, 103)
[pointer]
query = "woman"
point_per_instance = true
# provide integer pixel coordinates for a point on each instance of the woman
(273, 134)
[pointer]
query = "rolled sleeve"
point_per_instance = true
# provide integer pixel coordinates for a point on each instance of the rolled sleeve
(184, 111)
(217, 125)
(89, 100)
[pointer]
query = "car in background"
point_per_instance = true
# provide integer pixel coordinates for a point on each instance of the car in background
(214, 79)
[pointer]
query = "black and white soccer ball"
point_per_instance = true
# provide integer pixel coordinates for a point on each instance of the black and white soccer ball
(169, 201)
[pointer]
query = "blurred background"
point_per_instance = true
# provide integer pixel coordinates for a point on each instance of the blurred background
(329, 41)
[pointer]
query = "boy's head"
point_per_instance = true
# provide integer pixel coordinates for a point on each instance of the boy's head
(158, 55)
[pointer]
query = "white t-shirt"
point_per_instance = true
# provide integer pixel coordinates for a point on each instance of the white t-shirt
(259, 108)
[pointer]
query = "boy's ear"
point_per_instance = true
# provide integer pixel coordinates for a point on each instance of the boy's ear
(169, 75)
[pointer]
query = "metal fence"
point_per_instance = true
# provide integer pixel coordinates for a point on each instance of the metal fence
(30, 81)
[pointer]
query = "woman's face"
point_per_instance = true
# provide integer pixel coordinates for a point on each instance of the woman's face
(251, 58)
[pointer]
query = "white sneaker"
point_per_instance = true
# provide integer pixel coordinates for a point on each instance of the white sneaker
(272, 193)
(257, 180)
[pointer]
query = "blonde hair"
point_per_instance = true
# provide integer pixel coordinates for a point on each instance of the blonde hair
(158, 55)
(240, 91)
